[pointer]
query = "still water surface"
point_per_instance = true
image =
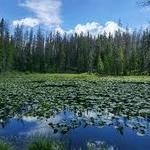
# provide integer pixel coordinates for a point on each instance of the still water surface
(116, 133)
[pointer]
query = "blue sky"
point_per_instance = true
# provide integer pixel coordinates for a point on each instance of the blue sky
(82, 11)
(70, 15)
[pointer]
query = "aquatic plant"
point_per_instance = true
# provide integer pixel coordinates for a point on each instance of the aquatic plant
(5, 146)
(93, 101)
(41, 143)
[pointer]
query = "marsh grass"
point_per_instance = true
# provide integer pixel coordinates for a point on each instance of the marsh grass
(5, 146)
(82, 76)
(40, 143)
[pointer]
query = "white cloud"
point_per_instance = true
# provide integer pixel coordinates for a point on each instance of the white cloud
(46, 12)
(60, 30)
(95, 28)
(146, 26)
(91, 27)
(31, 22)
(112, 27)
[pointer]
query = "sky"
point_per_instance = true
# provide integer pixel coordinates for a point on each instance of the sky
(76, 15)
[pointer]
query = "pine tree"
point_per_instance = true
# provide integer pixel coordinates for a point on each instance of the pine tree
(120, 54)
(28, 51)
(18, 43)
(39, 52)
(1, 43)
(100, 66)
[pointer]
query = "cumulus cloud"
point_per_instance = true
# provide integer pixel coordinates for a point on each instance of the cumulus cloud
(46, 12)
(31, 22)
(59, 30)
(112, 27)
(95, 28)
(91, 27)
(146, 26)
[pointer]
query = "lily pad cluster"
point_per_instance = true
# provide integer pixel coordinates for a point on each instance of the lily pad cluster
(68, 122)
(44, 98)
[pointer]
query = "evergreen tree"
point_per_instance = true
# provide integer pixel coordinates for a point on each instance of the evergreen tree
(119, 54)
(100, 66)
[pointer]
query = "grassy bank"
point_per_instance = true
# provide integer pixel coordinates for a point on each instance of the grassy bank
(63, 76)
(38, 143)
(84, 76)
(41, 143)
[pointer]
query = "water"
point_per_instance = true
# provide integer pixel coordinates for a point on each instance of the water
(94, 113)
(90, 128)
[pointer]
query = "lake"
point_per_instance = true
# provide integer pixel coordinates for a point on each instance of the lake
(112, 115)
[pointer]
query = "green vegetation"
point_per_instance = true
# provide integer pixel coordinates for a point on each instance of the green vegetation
(41, 143)
(46, 95)
(4, 146)
(120, 54)
(64, 76)
(112, 81)
(37, 143)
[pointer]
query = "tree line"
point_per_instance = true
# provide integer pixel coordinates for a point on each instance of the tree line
(123, 53)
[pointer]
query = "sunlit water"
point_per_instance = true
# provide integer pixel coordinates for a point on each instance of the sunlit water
(105, 130)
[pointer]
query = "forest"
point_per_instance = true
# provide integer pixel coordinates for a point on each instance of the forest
(26, 50)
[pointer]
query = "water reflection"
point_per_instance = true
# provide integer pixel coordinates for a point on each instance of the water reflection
(112, 132)
(100, 145)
